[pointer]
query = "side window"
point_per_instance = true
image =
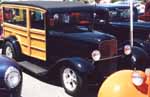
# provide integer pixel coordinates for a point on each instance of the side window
(37, 19)
(70, 22)
(15, 16)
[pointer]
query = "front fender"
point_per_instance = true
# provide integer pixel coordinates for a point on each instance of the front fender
(136, 42)
(139, 58)
(5, 63)
(13, 40)
(120, 84)
(77, 63)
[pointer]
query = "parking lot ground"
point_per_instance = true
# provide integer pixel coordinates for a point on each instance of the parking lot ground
(33, 87)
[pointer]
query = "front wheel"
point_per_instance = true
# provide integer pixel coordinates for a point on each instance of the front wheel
(72, 81)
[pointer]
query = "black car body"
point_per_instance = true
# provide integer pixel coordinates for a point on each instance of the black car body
(118, 23)
(67, 44)
(116, 15)
(10, 78)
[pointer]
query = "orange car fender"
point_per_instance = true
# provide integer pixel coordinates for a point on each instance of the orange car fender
(119, 84)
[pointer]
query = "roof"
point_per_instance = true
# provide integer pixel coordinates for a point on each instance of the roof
(114, 5)
(108, 7)
(55, 6)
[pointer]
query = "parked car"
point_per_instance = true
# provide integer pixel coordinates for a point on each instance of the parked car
(131, 83)
(146, 16)
(58, 36)
(115, 20)
(136, 3)
(115, 14)
(10, 78)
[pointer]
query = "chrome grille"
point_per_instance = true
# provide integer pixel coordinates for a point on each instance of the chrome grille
(108, 48)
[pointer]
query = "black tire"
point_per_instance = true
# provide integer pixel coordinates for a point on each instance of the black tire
(15, 95)
(14, 53)
(81, 82)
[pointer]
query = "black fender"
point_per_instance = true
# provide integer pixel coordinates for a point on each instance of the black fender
(14, 42)
(139, 43)
(80, 64)
(136, 42)
(139, 53)
(139, 58)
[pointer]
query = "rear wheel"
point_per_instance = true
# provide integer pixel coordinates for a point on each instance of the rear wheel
(9, 51)
(72, 81)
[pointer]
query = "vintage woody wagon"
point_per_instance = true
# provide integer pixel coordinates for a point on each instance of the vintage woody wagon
(59, 38)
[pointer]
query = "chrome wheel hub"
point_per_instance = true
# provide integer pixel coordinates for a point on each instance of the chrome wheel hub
(9, 52)
(70, 79)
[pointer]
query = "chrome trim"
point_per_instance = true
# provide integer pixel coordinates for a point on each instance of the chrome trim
(109, 58)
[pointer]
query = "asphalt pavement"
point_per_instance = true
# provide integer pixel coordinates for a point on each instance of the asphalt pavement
(33, 87)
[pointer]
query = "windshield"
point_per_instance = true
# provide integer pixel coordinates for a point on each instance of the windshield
(70, 22)
(122, 15)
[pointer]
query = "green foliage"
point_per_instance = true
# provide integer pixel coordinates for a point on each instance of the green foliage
(114, 0)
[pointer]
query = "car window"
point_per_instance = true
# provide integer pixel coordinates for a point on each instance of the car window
(37, 19)
(117, 15)
(15, 16)
(70, 22)
(120, 14)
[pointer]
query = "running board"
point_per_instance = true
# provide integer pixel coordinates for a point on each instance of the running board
(33, 68)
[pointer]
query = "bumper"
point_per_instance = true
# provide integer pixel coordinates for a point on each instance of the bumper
(7, 93)
(103, 68)
(4, 93)
(16, 92)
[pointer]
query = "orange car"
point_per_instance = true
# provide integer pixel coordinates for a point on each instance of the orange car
(126, 83)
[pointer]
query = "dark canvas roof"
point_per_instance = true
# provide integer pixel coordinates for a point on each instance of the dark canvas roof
(55, 6)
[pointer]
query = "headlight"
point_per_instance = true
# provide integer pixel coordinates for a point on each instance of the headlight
(147, 71)
(12, 77)
(137, 78)
(96, 55)
(127, 50)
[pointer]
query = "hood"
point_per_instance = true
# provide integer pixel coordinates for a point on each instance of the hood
(137, 25)
(94, 36)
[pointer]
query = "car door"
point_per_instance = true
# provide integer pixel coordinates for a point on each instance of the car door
(37, 34)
